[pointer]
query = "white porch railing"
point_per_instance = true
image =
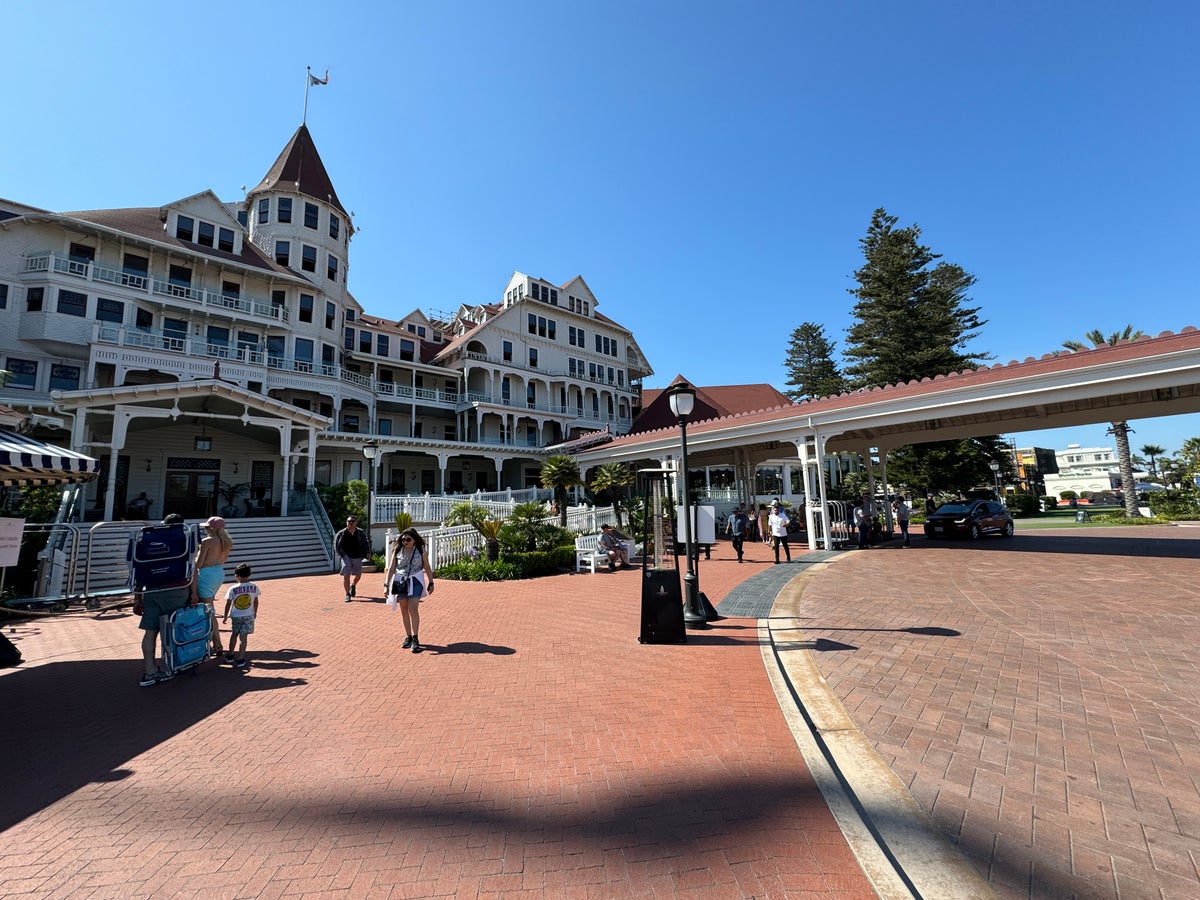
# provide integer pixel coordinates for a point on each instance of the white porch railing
(449, 545)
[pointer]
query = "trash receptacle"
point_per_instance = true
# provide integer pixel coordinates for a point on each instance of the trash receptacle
(1083, 516)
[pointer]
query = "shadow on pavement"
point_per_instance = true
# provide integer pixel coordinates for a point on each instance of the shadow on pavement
(469, 647)
(1034, 542)
(69, 724)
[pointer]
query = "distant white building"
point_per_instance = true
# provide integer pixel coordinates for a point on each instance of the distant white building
(1086, 469)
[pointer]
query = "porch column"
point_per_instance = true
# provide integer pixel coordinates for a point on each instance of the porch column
(443, 459)
(120, 430)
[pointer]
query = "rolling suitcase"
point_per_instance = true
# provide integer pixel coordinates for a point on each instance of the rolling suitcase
(161, 555)
(186, 634)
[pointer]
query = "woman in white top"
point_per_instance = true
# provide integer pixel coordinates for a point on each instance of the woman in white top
(409, 577)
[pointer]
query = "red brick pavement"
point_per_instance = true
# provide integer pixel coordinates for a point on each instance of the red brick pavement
(1057, 740)
(535, 749)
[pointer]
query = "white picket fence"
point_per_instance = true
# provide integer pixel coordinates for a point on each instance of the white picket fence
(436, 507)
(448, 545)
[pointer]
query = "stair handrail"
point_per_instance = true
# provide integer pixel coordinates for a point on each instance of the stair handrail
(321, 518)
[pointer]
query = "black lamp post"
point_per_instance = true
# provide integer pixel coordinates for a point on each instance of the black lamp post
(370, 451)
(683, 400)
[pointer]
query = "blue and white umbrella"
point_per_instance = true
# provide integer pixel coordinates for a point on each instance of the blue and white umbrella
(24, 461)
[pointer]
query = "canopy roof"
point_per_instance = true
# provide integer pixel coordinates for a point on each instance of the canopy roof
(25, 461)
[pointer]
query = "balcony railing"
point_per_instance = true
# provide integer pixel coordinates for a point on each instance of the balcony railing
(143, 283)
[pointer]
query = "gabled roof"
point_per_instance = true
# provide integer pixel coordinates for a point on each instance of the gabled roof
(711, 403)
(299, 168)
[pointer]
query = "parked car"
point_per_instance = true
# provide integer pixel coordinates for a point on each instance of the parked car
(969, 518)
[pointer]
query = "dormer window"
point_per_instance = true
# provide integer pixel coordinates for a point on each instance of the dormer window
(206, 235)
(184, 228)
(225, 239)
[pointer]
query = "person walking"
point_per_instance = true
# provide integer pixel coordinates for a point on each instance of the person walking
(351, 544)
(903, 510)
(862, 521)
(242, 601)
(764, 521)
(209, 572)
(408, 578)
(736, 528)
(777, 522)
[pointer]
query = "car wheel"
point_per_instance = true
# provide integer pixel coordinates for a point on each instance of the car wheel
(973, 534)
(1008, 529)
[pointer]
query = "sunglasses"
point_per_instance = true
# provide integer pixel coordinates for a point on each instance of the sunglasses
(406, 540)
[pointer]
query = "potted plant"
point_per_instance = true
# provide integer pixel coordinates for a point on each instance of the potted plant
(230, 492)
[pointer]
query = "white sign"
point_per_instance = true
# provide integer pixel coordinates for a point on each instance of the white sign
(10, 540)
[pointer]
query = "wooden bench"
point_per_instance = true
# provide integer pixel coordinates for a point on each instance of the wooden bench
(589, 555)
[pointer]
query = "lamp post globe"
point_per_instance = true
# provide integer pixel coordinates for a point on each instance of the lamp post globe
(682, 399)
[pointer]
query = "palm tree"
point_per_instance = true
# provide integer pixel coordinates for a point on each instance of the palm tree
(467, 513)
(1153, 451)
(1119, 430)
(611, 479)
(561, 473)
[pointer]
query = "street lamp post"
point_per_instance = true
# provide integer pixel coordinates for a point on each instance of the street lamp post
(370, 451)
(995, 467)
(682, 398)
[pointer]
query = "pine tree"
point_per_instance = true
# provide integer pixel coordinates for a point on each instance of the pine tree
(810, 366)
(910, 319)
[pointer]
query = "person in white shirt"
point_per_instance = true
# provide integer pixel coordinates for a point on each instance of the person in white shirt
(778, 522)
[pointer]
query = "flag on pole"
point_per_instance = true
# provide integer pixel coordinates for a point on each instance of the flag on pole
(313, 79)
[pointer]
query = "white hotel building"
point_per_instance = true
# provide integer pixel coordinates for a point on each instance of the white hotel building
(203, 342)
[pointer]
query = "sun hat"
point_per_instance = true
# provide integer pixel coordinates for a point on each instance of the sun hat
(215, 522)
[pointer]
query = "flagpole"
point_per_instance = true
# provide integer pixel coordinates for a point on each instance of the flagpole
(307, 85)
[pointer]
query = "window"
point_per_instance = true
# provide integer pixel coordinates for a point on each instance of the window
(135, 270)
(33, 299)
(508, 351)
(329, 357)
(599, 344)
(505, 391)
(384, 426)
(308, 260)
(218, 340)
(551, 330)
(242, 219)
(364, 342)
(531, 396)
(275, 347)
(206, 234)
(418, 330)
(264, 211)
(64, 378)
(610, 375)
(533, 357)
(231, 289)
(285, 209)
(348, 339)
(225, 239)
(553, 297)
(72, 303)
(81, 253)
(3, 296)
(180, 276)
(330, 315)
(247, 340)
(349, 315)
(283, 252)
(532, 323)
(335, 226)
(331, 269)
(110, 310)
(24, 373)
(571, 365)
(304, 355)
(592, 371)
(310, 215)
(306, 307)
(143, 319)
(381, 345)
(184, 227)
(407, 350)
(279, 301)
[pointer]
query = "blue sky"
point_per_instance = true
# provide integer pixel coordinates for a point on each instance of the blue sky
(709, 168)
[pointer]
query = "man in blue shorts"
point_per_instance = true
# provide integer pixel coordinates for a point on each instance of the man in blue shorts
(153, 605)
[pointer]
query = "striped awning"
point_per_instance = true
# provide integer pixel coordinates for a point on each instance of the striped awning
(24, 461)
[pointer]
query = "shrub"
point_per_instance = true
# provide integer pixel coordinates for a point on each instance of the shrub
(1022, 504)
(1050, 502)
(1068, 495)
(479, 570)
(543, 562)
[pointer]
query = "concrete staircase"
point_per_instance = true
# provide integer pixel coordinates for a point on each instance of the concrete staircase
(274, 547)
